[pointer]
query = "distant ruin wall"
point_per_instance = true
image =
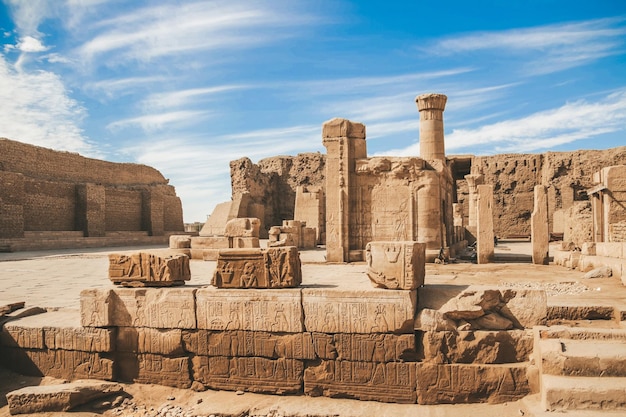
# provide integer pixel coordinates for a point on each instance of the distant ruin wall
(42, 190)
(273, 181)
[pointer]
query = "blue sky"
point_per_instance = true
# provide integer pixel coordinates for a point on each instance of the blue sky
(187, 86)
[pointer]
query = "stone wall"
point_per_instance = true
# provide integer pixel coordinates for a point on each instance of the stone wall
(42, 190)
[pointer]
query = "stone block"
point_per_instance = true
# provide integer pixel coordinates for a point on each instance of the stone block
(392, 382)
(588, 248)
(526, 308)
(278, 310)
(480, 347)
(346, 311)
(159, 308)
(146, 340)
(61, 397)
(336, 128)
(471, 383)
(253, 374)
(243, 227)
(153, 369)
(433, 320)
(610, 249)
(375, 347)
(244, 343)
(180, 242)
(65, 364)
(245, 242)
(147, 269)
(26, 337)
(207, 254)
(210, 242)
(396, 265)
(309, 238)
(258, 268)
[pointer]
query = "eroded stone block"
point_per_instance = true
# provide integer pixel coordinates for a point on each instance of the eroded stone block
(14, 335)
(272, 376)
(153, 369)
(244, 343)
(258, 268)
(375, 347)
(393, 382)
(147, 340)
(210, 242)
(345, 311)
(180, 242)
(159, 308)
(460, 383)
(396, 265)
(243, 227)
(253, 310)
(148, 269)
(87, 339)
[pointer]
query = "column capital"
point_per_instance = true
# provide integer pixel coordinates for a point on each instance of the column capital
(337, 128)
(431, 101)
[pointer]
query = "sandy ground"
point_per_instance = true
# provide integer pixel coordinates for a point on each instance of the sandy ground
(54, 279)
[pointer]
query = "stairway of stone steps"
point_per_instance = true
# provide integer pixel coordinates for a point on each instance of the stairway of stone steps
(582, 368)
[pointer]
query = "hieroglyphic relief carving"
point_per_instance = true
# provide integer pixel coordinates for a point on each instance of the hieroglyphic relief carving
(244, 343)
(396, 265)
(344, 311)
(147, 269)
(154, 369)
(387, 382)
(258, 268)
(268, 310)
(274, 376)
(147, 340)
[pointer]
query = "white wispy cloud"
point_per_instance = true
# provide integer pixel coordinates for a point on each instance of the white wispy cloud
(30, 44)
(184, 97)
(119, 87)
(153, 122)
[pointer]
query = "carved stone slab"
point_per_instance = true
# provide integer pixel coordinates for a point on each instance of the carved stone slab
(66, 364)
(243, 343)
(149, 269)
(272, 376)
(257, 310)
(460, 383)
(258, 268)
(375, 347)
(393, 382)
(159, 308)
(147, 340)
(243, 227)
(396, 265)
(153, 369)
(345, 311)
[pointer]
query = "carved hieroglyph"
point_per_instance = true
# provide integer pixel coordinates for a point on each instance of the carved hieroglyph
(258, 268)
(264, 311)
(147, 269)
(344, 311)
(396, 265)
(153, 369)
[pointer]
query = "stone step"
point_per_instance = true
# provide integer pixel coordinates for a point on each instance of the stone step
(589, 358)
(561, 393)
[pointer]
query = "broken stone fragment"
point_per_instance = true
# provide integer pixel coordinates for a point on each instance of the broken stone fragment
(433, 320)
(148, 269)
(470, 305)
(62, 397)
(601, 272)
(493, 321)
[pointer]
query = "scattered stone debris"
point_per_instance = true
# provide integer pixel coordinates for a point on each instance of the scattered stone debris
(601, 272)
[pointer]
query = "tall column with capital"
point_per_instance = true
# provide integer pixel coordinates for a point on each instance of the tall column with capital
(431, 107)
(345, 142)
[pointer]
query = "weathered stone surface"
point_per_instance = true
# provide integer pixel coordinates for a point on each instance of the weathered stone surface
(344, 311)
(63, 397)
(146, 340)
(242, 227)
(153, 369)
(253, 374)
(66, 364)
(396, 265)
(484, 224)
(479, 347)
(148, 269)
(27, 337)
(374, 347)
(525, 308)
(493, 321)
(601, 272)
(278, 310)
(471, 304)
(210, 242)
(386, 382)
(159, 308)
(460, 383)
(540, 234)
(560, 393)
(9, 308)
(433, 320)
(245, 343)
(180, 242)
(258, 268)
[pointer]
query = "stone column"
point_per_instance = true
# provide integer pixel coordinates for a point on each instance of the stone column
(473, 180)
(484, 224)
(345, 142)
(459, 226)
(152, 213)
(539, 233)
(429, 211)
(431, 107)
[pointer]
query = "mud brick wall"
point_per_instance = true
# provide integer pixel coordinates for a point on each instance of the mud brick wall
(43, 190)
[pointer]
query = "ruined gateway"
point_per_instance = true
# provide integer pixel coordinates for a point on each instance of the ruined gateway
(409, 338)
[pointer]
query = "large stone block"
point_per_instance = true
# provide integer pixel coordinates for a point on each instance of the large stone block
(244, 343)
(375, 347)
(396, 265)
(146, 340)
(252, 310)
(345, 311)
(210, 242)
(147, 269)
(253, 374)
(460, 383)
(180, 242)
(243, 227)
(159, 308)
(393, 382)
(153, 369)
(343, 128)
(258, 268)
